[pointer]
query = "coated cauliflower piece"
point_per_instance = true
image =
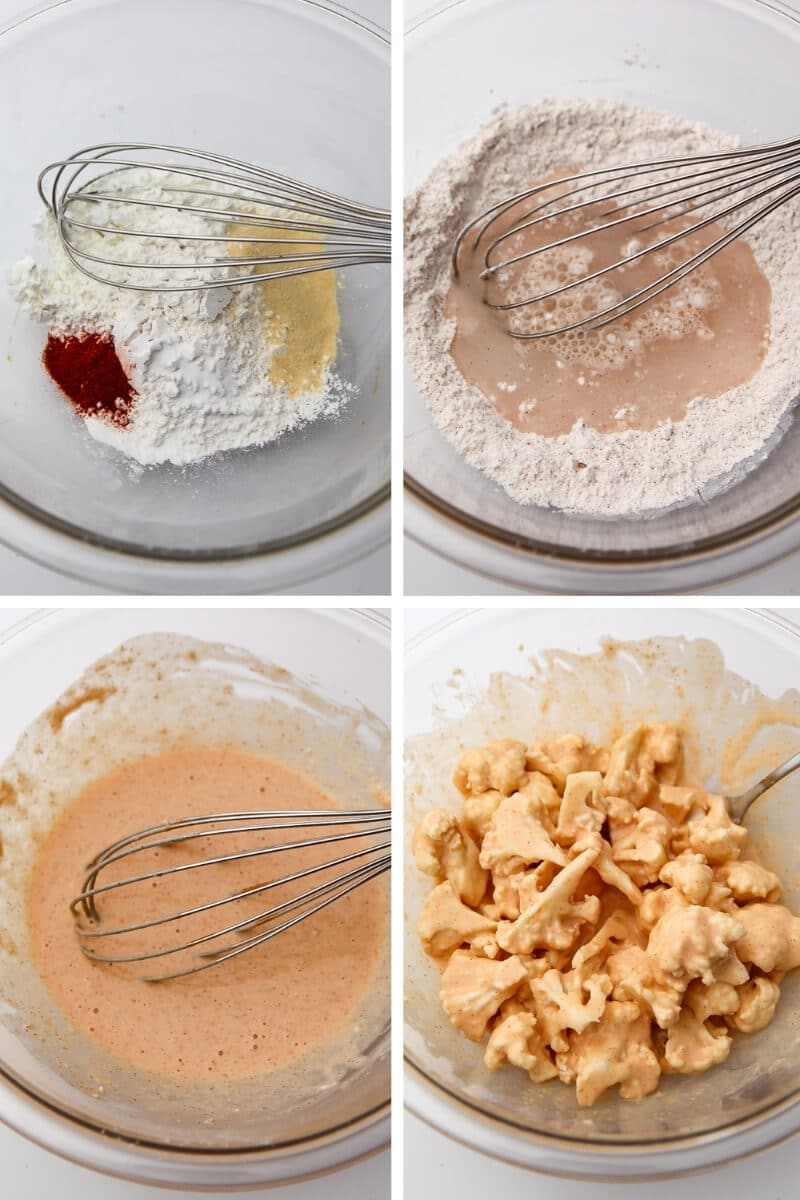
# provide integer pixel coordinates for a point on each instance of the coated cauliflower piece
(553, 920)
(609, 871)
(640, 847)
(692, 942)
(474, 988)
(749, 881)
(712, 999)
(444, 850)
(635, 978)
(758, 999)
(626, 775)
(581, 809)
(714, 834)
(619, 929)
(516, 1040)
(678, 802)
(573, 753)
(615, 1050)
(499, 767)
(691, 1047)
(568, 1001)
(690, 874)
(771, 938)
(477, 812)
(518, 837)
(445, 923)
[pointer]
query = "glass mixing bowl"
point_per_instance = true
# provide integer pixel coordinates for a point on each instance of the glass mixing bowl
(752, 1100)
(38, 659)
(300, 87)
(732, 64)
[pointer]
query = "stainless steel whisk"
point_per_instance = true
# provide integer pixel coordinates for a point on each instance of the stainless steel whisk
(374, 825)
(738, 188)
(216, 188)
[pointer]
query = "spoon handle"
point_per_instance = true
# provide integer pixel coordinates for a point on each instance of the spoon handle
(738, 805)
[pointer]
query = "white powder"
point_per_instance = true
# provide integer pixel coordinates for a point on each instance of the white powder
(198, 360)
(626, 472)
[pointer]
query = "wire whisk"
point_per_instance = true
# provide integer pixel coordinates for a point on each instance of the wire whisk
(122, 873)
(106, 198)
(728, 193)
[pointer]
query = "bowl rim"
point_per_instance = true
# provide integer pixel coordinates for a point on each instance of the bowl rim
(265, 551)
(438, 511)
(575, 1158)
(90, 1144)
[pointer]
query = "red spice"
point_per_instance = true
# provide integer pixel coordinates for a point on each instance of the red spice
(90, 375)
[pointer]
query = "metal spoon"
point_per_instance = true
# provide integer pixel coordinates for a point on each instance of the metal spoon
(738, 805)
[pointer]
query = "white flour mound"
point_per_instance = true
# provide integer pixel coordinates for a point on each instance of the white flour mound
(626, 472)
(198, 360)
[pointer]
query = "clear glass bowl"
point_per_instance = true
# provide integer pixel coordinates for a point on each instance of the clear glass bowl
(732, 64)
(131, 1136)
(301, 87)
(752, 1100)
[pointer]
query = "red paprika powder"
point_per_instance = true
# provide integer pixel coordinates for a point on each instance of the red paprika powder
(86, 368)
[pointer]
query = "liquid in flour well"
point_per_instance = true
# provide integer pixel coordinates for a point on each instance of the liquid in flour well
(703, 337)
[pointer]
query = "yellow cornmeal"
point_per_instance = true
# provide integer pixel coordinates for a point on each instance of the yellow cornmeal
(301, 315)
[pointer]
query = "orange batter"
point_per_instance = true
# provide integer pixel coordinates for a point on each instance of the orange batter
(244, 1017)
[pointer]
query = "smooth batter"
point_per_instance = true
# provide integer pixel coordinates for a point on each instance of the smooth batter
(244, 1017)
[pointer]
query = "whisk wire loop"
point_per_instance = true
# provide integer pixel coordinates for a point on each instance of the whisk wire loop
(736, 188)
(341, 232)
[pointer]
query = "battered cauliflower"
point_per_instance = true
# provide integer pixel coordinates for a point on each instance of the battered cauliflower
(596, 916)
(445, 923)
(498, 767)
(516, 1040)
(445, 851)
(474, 988)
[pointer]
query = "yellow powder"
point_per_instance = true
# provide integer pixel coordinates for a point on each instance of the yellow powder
(301, 314)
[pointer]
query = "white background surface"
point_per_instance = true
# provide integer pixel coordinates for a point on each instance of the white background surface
(370, 576)
(429, 573)
(435, 1166)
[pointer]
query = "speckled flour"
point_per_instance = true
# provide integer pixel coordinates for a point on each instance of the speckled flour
(628, 472)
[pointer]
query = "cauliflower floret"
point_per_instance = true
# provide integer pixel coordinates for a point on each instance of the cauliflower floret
(516, 1040)
(640, 848)
(758, 999)
(711, 1000)
(609, 871)
(690, 874)
(748, 880)
(692, 942)
(537, 759)
(553, 920)
(478, 810)
(445, 923)
(626, 776)
(573, 753)
(692, 1048)
(634, 978)
(581, 810)
(714, 834)
(474, 988)
(568, 1001)
(616, 1050)
(517, 837)
(771, 939)
(677, 802)
(499, 766)
(444, 850)
(619, 929)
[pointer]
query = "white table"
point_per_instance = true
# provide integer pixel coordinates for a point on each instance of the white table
(436, 1166)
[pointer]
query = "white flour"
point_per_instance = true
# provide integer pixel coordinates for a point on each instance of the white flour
(198, 360)
(626, 472)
